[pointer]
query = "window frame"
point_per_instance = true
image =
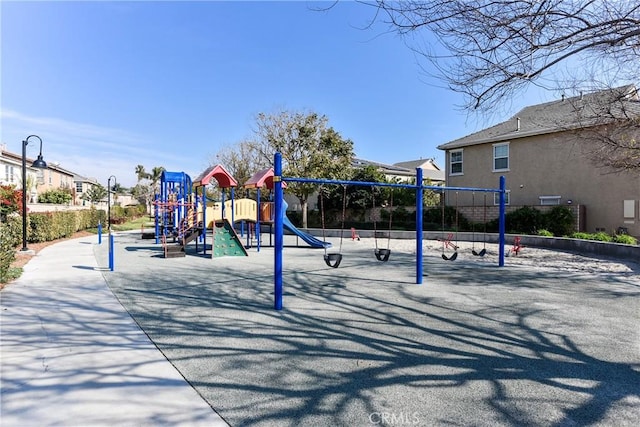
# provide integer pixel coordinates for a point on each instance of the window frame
(493, 151)
(460, 162)
(507, 198)
(550, 199)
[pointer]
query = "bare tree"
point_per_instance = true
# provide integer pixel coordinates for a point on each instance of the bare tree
(609, 127)
(492, 50)
(308, 146)
(242, 160)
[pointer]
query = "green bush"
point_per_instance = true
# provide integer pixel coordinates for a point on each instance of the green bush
(60, 196)
(545, 233)
(625, 239)
(47, 226)
(525, 220)
(8, 242)
(580, 235)
(559, 221)
(600, 237)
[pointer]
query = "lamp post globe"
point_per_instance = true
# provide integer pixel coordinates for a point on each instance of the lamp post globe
(38, 163)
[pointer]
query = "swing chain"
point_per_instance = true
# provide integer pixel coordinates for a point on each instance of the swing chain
(344, 213)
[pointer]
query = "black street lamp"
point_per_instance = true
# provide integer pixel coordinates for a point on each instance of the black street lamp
(109, 201)
(38, 163)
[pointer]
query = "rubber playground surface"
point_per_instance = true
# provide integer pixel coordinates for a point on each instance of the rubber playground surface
(363, 344)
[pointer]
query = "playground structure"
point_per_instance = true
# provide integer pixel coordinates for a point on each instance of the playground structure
(180, 215)
(183, 214)
(176, 213)
(419, 188)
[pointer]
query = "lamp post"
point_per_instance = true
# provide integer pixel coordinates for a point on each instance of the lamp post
(38, 163)
(109, 201)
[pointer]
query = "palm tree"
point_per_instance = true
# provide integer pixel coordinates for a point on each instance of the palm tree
(154, 176)
(141, 173)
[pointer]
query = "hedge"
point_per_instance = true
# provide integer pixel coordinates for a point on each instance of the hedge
(47, 226)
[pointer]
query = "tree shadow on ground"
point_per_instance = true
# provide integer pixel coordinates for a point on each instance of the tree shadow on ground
(477, 345)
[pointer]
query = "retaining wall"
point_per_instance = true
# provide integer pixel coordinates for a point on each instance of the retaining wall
(604, 249)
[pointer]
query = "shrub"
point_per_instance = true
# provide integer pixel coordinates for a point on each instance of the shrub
(60, 196)
(580, 235)
(559, 221)
(525, 220)
(545, 233)
(600, 237)
(10, 201)
(7, 254)
(625, 239)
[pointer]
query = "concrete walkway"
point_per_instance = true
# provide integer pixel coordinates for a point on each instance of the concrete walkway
(72, 355)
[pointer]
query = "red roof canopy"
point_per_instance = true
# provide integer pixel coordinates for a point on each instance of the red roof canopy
(219, 173)
(262, 178)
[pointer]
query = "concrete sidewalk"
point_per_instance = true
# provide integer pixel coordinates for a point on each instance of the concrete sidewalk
(72, 355)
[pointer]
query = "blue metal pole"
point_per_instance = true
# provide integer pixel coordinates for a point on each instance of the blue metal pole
(110, 251)
(387, 184)
(419, 204)
(156, 210)
(258, 221)
(204, 218)
(501, 221)
(279, 231)
(99, 233)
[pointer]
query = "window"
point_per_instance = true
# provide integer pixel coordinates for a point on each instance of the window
(507, 198)
(629, 207)
(9, 174)
(78, 187)
(501, 157)
(455, 162)
(549, 200)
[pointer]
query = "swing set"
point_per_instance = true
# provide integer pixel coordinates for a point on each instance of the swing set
(380, 253)
(482, 252)
(334, 259)
(447, 241)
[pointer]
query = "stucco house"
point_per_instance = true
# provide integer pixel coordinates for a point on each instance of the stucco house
(42, 180)
(82, 186)
(55, 177)
(548, 154)
(406, 171)
(11, 174)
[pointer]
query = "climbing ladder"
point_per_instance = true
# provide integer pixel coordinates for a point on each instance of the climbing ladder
(226, 241)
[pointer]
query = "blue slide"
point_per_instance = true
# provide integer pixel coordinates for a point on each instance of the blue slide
(312, 241)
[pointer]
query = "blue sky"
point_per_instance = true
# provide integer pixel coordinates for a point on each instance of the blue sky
(109, 85)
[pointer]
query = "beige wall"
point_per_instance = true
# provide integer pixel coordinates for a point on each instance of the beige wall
(53, 179)
(553, 166)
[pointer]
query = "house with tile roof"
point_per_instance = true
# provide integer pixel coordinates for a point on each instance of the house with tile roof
(546, 152)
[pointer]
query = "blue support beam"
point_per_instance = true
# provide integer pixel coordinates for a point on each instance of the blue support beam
(418, 187)
(279, 230)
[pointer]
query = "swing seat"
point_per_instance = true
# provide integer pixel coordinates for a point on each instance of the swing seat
(333, 260)
(451, 258)
(483, 252)
(382, 254)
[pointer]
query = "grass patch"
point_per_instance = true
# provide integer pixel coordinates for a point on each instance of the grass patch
(134, 224)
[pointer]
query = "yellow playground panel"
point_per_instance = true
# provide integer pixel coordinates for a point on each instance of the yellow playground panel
(243, 210)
